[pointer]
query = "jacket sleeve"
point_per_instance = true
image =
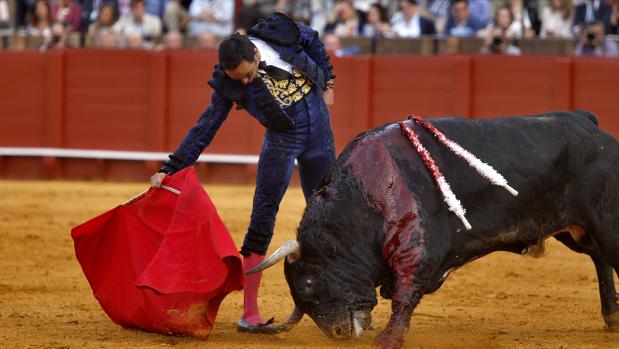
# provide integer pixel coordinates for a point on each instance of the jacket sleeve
(199, 136)
(314, 48)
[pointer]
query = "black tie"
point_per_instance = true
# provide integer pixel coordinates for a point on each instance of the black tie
(274, 72)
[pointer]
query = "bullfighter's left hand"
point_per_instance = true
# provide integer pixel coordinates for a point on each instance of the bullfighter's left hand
(329, 97)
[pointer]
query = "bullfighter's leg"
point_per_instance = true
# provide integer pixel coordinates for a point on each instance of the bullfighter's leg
(313, 165)
(275, 168)
(319, 153)
(606, 285)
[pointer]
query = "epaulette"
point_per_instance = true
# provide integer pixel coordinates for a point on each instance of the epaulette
(277, 29)
(230, 89)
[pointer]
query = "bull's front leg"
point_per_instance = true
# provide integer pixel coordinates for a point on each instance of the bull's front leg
(409, 288)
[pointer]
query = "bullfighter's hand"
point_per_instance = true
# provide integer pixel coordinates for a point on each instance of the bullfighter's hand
(329, 97)
(157, 179)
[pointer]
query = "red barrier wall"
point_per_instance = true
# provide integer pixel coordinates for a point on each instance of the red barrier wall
(140, 100)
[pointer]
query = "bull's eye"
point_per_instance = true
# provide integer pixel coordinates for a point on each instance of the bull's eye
(308, 283)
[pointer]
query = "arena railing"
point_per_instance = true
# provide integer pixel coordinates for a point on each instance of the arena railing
(120, 155)
(428, 45)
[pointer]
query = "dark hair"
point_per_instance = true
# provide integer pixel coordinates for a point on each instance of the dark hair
(235, 49)
(453, 2)
(382, 12)
(108, 4)
(32, 13)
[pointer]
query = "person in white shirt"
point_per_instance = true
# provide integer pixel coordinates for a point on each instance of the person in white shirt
(557, 20)
(215, 16)
(409, 24)
(138, 22)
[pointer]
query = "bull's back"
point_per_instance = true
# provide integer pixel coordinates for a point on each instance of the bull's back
(541, 156)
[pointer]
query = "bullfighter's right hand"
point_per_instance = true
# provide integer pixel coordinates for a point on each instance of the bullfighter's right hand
(157, 179)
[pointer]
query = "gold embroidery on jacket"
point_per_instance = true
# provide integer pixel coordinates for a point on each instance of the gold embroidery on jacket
(288, 92)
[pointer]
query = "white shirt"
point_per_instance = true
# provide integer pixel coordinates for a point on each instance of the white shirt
(223, 11)
(150, 26)
(269, 55)
(404, 28)
(553, 21)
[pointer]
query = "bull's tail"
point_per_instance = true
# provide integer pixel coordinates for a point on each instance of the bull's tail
(588, 115)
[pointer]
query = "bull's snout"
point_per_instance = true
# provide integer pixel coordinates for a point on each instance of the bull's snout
(351, 325)
(340, 331)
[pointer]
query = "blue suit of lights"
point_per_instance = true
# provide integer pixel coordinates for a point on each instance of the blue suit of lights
(301, 131)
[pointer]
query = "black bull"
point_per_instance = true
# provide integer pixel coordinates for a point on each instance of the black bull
(378, 218)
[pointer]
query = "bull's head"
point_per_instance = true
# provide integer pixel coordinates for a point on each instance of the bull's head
(340, 311)
(333, 268)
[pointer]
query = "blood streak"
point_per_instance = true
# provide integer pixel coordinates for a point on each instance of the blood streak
(387, 193)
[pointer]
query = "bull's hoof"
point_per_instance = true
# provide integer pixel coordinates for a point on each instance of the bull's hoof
(386, 340)
(612, 321)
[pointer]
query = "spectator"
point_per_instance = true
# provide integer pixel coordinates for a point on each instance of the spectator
(22, 7)
(377, 24)
(135, 40)
(176, 18)
(499, 44)
(481, 10)
(249, 15)
(68, 13)
(215, 16)
(460, 23)
(320, 11)
(155, 7)
(503, 20)
(409, 24)
(614, 18)
(138, 23)
(593, 42)
(557, 20)
(105, 37)
(58, 39)
(344, 21)
(298, 10)
(333, 46)
(106, 17)
(207, 41)
(590, 11)
(124, 7)
(526, 18)
(40, 20)
(91, 9)
(5, 17)
(439, 11)
(173, 40)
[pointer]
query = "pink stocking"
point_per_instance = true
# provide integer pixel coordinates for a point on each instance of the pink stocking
(251, 314)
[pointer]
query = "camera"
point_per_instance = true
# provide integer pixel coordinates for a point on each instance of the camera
(591, 36)
(497, 42)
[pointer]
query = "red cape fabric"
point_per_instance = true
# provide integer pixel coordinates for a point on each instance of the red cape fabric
(162, 263)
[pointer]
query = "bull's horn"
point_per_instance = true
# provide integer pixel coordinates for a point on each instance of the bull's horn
(289, 247)
(294, 318)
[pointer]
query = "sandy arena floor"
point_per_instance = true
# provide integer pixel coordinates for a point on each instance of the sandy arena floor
(500, 301)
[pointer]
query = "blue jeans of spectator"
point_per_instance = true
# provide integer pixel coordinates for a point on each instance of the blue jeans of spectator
(311, 144)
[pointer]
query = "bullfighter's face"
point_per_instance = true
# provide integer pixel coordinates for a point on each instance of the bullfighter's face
(246, 71)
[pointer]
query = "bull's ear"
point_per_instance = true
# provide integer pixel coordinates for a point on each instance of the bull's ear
(294, 256)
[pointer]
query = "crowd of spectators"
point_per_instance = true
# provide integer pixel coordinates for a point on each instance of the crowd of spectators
(501, 24)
